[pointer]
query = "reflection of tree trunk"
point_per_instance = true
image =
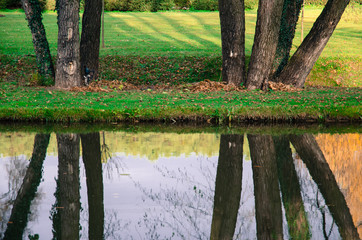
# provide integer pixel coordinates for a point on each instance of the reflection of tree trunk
(93, 170)
(308, 149)
(228, 187)
(21, 208)
(68, 196)
(289, 185)
(266, 187)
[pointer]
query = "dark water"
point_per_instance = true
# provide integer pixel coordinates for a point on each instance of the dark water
(150, 185)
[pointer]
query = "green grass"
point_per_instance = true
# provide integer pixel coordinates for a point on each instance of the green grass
(316, 105)
(177, 47)
(173, 33)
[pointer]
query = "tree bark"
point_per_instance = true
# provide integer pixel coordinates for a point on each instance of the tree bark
(21, 207)
(303, 60)
(265, 43)
(289, 185)
(288, 24)
(68, 196)
(90, 39)
(93, 170)
(41, 47)
(227, 187)
(232, 21)
(68, 72)
(309, 151)
(268, 205)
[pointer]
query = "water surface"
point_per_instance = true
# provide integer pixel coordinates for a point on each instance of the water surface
(152, 185)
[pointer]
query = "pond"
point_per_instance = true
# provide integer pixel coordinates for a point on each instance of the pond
(211, 183)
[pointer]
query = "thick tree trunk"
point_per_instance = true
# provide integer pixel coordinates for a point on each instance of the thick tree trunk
(68, 196)
(265, 43)
(309, 151)
(288, 24)
(41, 47)
(90, 39)
(68, 72)
(93, 170)
(289, 185)
(232, 21)
(303, 60)
(227, 187)
(268, 205)
(21, 207)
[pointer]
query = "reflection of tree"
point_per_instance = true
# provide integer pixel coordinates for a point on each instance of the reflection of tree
(227, 187)
(93, 169)
(105, 152)
(290, 188)
(266, 187)
(65, 212)
(308, 149)
(21, 207)
(16, 170)
(111, 162)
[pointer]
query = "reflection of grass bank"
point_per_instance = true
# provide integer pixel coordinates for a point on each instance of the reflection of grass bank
(40, 104)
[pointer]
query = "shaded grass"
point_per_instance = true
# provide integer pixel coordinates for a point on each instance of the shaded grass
(40, 104)
(152, 70)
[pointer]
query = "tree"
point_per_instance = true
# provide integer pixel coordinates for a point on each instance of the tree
(232, 18)
(288, 24)
(89, 44)
(33, 15)
(275, 29)
(68, 73)
(303, 60)
(265, 43)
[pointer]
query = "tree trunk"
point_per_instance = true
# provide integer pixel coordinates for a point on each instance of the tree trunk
(93, 170)
(288, 24)
(21, 207)
(309, 151)
(41, 47)
(289, 185)
(268, 205)
(303, 60)
(232, 21)
(68, 196)
(265, 43)
(227, 187)
(90, 40)
(68, 72)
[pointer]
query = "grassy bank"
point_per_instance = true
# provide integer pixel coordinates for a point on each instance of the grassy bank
(314, 105)
(173, 48)
(176, 47)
